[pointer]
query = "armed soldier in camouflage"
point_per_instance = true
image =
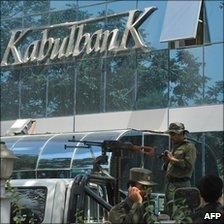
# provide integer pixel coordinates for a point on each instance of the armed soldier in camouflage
(132, 209)
(179, 162)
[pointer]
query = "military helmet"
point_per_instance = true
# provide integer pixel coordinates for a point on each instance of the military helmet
(177, 128)
(142, 176)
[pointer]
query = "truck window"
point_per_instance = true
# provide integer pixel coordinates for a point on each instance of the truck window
(32, 201)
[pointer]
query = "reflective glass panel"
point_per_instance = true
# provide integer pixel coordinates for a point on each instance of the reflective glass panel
(151, 29)
(88, 86)
(214, 12)
(33, 92)
(54, 154)
(120, 83)
(62, 5)
(209, 153)
(186, 79)
(24, 175)
(9, 94)
(101, 136)
(213, 71)
(33, 202)
(121, 6)
(63, 16)
(83, 161)
(36, 20)
(60, 90)
(91, 11)
(32, 7)
(6, 27)
(86, 2)
(153, 80)
(11, 8)
(28, 151)
(181, 20)
(11, 141)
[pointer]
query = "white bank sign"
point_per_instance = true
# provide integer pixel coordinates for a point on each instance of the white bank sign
(77, 42)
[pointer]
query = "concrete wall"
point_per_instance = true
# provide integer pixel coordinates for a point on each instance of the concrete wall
(196, 119)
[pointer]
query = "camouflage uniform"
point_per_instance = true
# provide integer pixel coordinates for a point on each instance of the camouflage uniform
(129, 211)
(178, 174)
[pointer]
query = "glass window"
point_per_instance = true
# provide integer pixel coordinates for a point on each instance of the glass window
(181, 20)
(186, 79)
(33, 92)
(54, 154)
(151, 29)
(86, 2)
(214, 12)
(101, 136)
(9, 94)
(28, 151)
(120, 6)
(10, 141)
(153, 80)
(6, 27)
(213, 71)
(209, 153)
(64, 16)
(62, 5)
(120, 83)
(60, 90)
(91, 12)
(31, 7)
(36, 21)
(88, 86)
(24, 175)
(33, 201)
(11, 8)
(83, 161)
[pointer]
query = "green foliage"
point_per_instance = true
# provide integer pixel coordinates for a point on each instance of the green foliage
(151, 218)
(79, 217)
(20, 214)
(181, 212)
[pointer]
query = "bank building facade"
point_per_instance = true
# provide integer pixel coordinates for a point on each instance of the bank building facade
(88, 66)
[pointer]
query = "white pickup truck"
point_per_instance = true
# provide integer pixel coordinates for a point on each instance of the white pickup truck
(61, 200)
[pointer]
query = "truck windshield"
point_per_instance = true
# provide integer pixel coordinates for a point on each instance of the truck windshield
(28, 205)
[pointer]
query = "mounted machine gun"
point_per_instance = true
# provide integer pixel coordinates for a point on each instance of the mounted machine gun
(118, 148)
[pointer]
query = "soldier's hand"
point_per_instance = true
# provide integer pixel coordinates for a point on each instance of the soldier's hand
(167, 155)
(134, 194)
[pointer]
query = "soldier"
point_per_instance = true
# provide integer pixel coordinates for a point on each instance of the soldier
(179, 162)
(132, 209)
